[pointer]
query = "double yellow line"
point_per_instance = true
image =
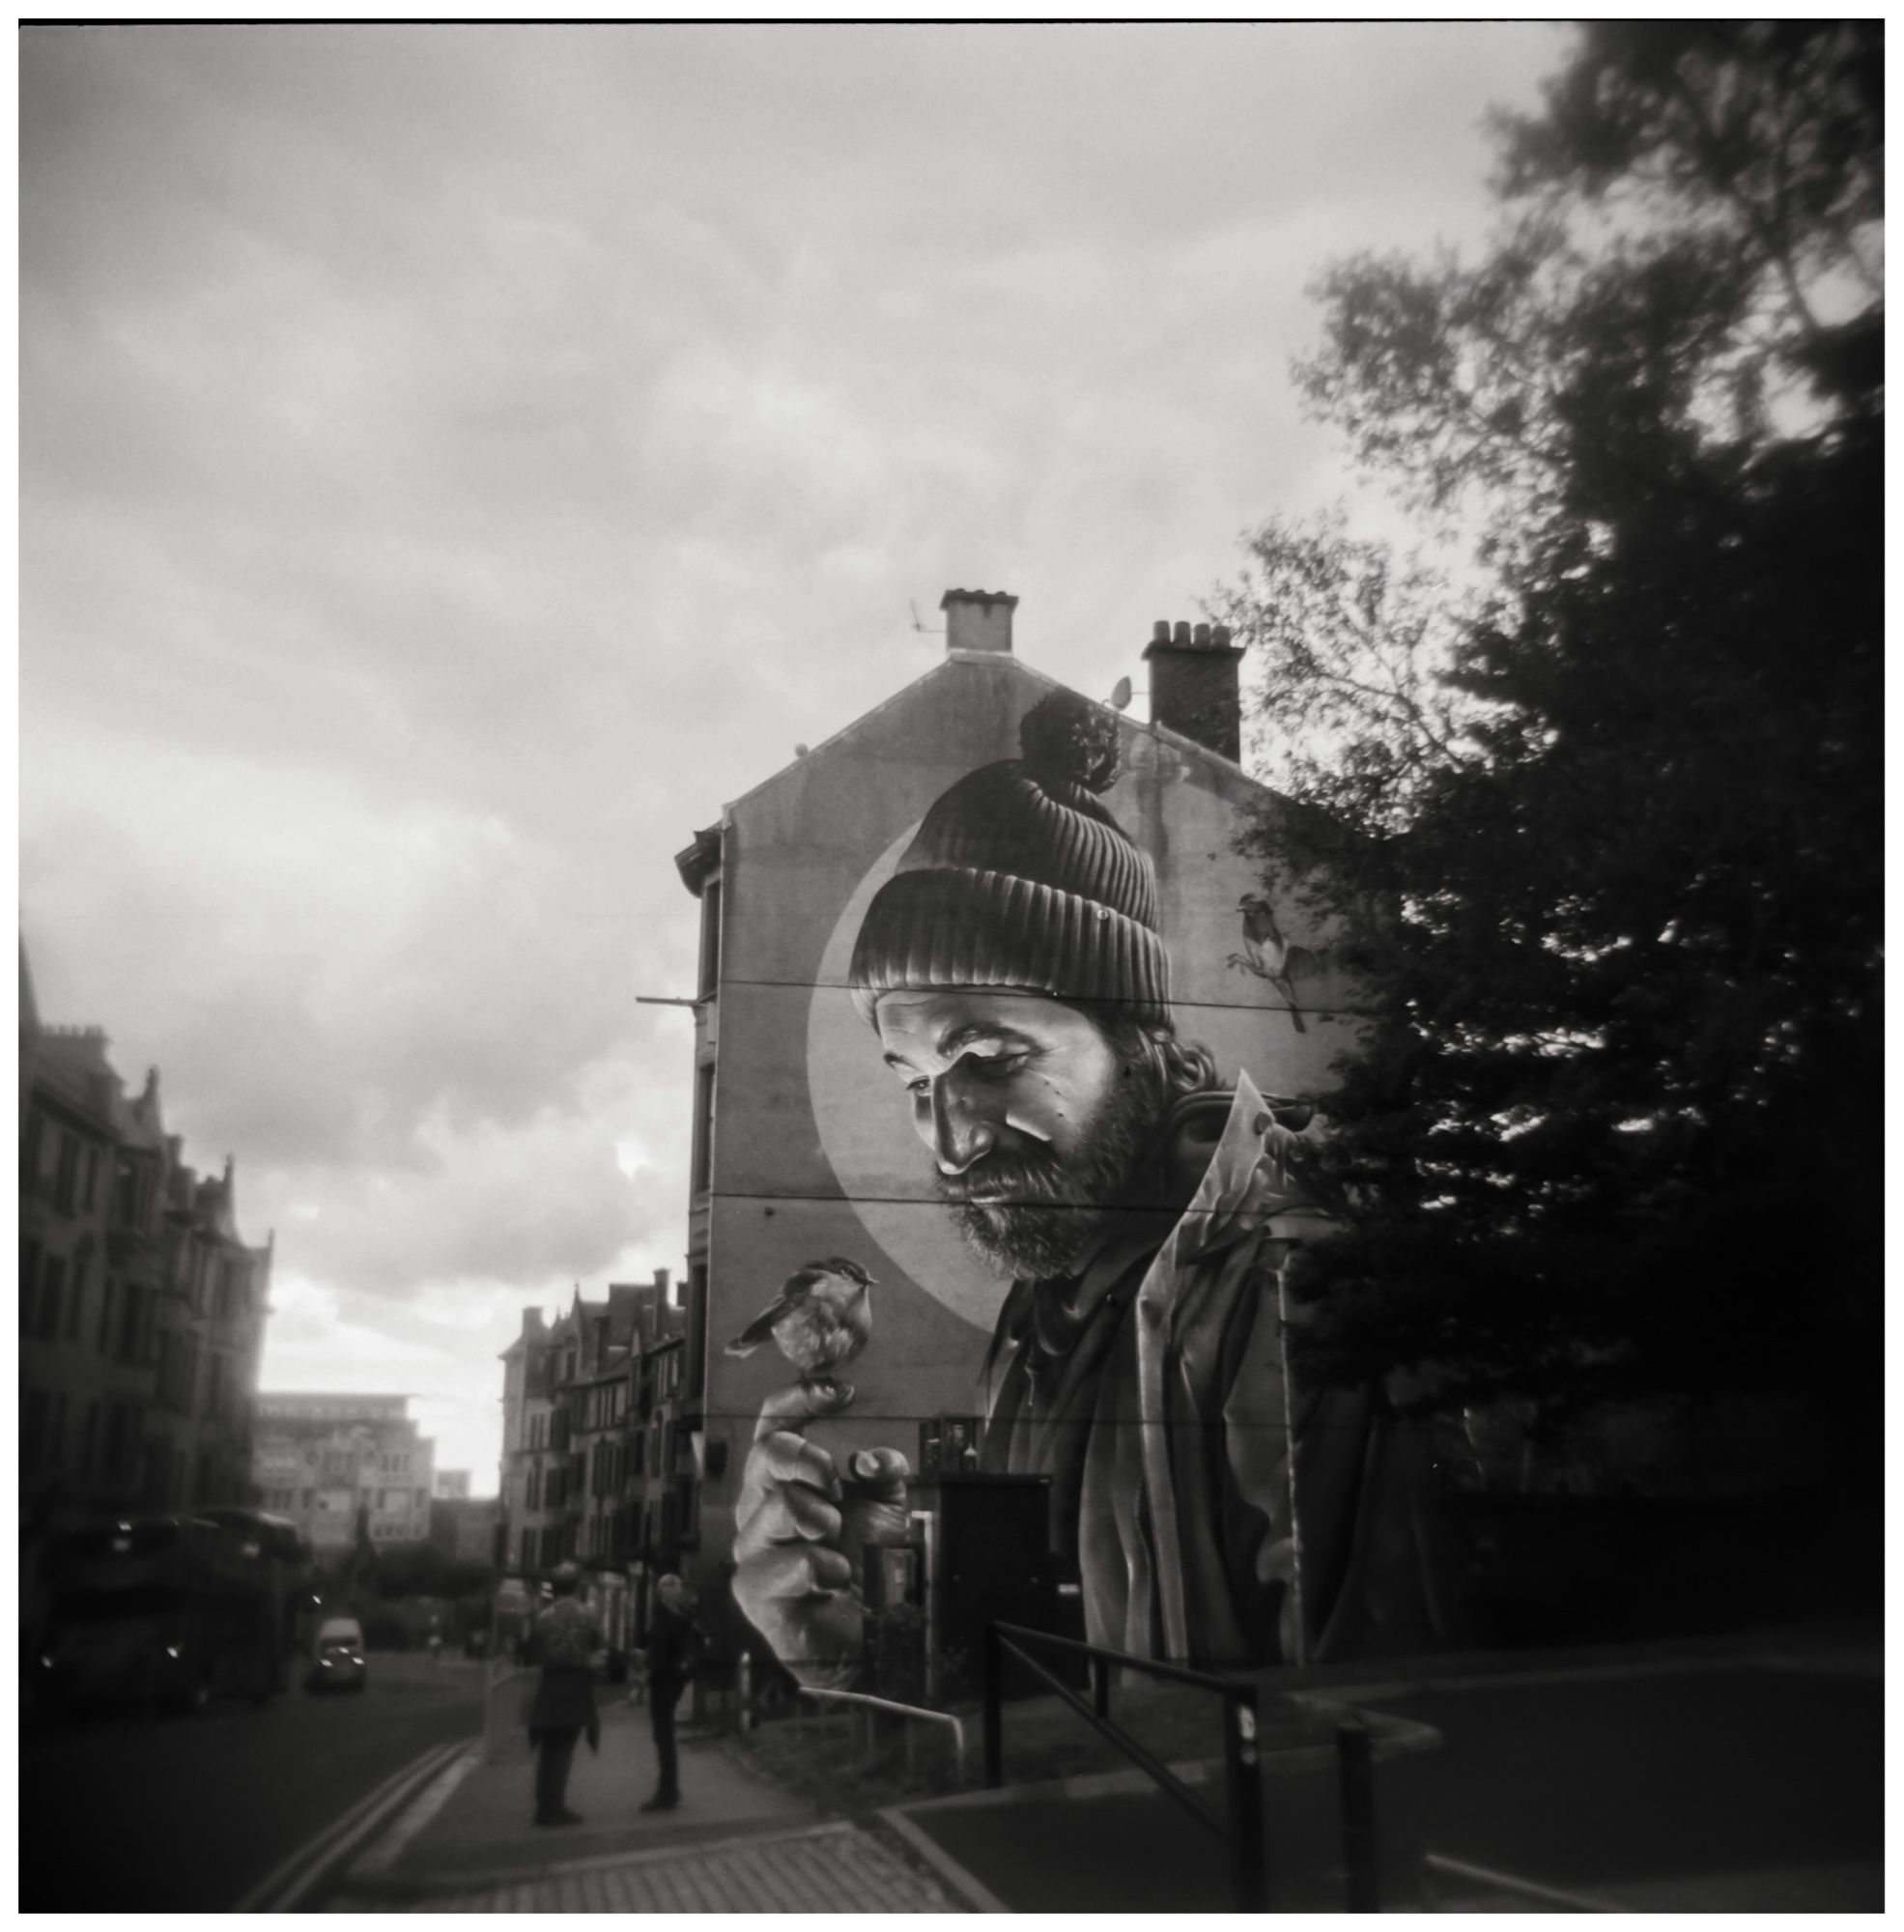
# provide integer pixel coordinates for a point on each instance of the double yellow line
(289, 1884)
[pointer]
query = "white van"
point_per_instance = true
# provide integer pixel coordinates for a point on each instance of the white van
(338, 1659)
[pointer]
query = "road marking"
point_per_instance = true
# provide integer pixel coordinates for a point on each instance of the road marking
(288, 1883)
(394, 1842)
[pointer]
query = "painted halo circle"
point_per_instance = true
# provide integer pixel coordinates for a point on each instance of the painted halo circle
(861, 1116)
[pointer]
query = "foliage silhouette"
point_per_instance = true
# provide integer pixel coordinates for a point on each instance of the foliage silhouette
(1593, 810)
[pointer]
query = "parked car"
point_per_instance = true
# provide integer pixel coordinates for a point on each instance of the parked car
(338, 1659)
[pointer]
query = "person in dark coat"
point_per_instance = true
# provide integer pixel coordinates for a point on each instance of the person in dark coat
(670, 1648)
(567, 1637)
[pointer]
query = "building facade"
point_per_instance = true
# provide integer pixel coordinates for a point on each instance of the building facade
(142, 1307)
(341, 1467)
(465, 1527)
(596, 1468)
(996, 824)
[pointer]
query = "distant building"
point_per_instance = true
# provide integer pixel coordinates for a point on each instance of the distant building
(464, 1527)
(452, 1485)
(142, 1308)
(596, 1467)
(328, 1461)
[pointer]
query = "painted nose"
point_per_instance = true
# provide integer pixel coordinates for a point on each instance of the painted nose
(958, 1138)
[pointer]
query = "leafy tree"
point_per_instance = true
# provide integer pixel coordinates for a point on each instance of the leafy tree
(1595, 812)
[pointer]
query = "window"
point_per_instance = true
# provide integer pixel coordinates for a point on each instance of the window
(89, 1439)
(67, 1174)
(82, 1266)
(104, 1342)
(710, 938)
(29, 1283)
(700, 1160)
(52, 1283)
(89, 1185)
(121, 1430)
(33, 1429)
(131, 1323)
(125, 1193)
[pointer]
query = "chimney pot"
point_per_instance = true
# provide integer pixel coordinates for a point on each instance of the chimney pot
(1193, 685)
(1160, 631)
(978, 620)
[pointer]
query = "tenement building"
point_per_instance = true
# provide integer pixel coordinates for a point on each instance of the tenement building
(597, 1466)
(142, 1307)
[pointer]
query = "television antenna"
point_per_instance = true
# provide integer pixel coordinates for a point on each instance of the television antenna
(925, 630)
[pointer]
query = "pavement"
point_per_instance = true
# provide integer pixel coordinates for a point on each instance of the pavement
(1667, 1778)
(738, 1843)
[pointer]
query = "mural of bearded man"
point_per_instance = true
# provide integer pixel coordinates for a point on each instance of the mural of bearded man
(1014, 974)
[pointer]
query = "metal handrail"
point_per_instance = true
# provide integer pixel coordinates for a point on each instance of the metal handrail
(1435, 1865)
(1242, 1771)
(903, 1709)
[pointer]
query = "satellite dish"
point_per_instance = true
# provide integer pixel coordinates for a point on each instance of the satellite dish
(1121, 694)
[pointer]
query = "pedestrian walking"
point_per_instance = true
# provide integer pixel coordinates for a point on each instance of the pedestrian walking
(671, 1648)
(567, 1637)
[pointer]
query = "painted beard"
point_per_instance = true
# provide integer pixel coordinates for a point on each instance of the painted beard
(1038, 1209)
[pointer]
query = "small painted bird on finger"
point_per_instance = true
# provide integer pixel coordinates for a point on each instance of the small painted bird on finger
(821, 1321)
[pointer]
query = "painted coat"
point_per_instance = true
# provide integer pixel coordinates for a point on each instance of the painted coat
(1153, 1389)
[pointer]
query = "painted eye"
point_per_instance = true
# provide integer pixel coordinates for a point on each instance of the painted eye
(999, 1067)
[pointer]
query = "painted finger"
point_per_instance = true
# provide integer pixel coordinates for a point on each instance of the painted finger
(880, 1473)
(789, 1513)
(783, 1457)
(792, 1408)
(790, 1570)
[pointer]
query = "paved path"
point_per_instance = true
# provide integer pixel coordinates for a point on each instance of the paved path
(737, 1844)
(834, 1868)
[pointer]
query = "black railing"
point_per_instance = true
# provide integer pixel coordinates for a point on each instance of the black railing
(1242, 1826)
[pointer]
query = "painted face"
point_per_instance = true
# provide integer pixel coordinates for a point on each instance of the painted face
(1032, 1118)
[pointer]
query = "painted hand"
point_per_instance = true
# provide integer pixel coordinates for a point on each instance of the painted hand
(801, 1532)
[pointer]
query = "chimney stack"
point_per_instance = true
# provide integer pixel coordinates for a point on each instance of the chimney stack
(1193, 685)
(978, 620)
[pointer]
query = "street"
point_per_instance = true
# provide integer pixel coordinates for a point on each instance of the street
(130, 1811)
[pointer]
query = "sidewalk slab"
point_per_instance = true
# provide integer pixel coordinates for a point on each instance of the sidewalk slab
(472, 1827)
(833, 1868)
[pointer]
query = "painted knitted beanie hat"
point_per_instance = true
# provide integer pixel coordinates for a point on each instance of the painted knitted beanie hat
(1020, 880)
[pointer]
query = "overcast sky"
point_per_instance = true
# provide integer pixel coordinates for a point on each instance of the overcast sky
(456, 461)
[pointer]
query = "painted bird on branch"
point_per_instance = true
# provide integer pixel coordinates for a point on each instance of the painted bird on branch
(821, 1321)
(1269, 955)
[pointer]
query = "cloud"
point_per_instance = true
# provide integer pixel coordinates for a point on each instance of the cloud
(457, 460)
